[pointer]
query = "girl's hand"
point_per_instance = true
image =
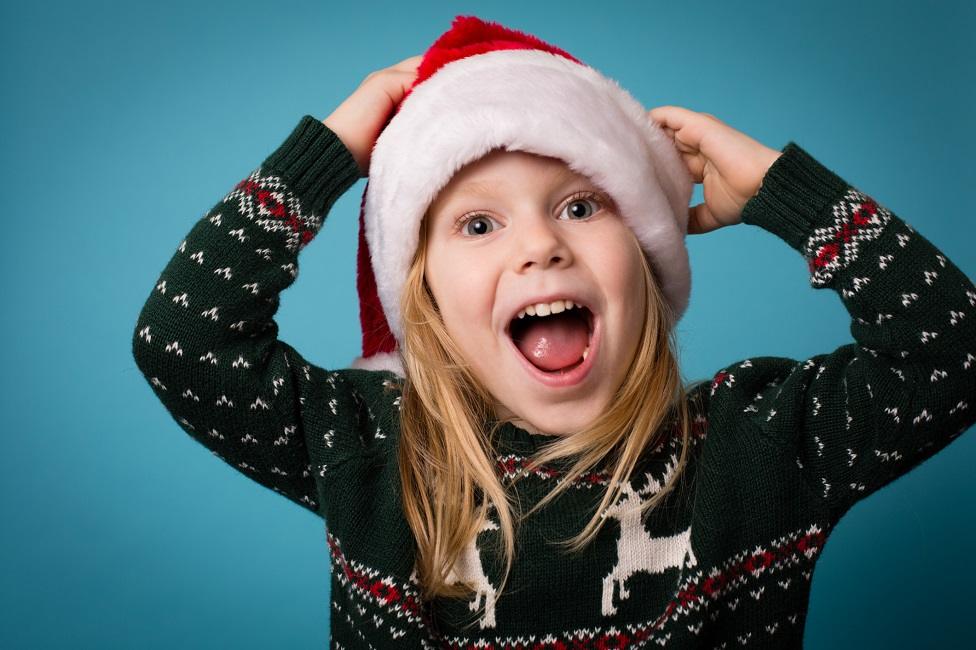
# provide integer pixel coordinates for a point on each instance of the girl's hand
(728, 163)
(360, 118)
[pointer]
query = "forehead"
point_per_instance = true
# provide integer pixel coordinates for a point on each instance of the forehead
(501, 171)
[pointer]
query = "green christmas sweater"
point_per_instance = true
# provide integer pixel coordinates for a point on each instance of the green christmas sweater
(781, 448)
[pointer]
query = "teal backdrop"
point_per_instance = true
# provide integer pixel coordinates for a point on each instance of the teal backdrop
(124, 122)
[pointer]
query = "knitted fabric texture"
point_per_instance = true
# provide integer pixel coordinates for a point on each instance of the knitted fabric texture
(780, 451)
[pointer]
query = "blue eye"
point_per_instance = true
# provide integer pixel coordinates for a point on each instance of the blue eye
(579, 198)
(475, 219)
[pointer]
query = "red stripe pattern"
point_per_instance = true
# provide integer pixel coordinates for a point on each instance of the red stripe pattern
(857, 219)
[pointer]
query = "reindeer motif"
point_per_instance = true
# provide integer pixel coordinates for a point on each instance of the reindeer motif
(636, 549)
(468, 569)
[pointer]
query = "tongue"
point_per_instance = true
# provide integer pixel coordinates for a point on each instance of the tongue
(553, 342)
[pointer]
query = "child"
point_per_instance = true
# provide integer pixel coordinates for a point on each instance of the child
(696, 513)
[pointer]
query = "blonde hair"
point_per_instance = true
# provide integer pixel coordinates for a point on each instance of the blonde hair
(447, 460)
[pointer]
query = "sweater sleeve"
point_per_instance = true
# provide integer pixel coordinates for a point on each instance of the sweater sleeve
(206, 339)
(855, 419)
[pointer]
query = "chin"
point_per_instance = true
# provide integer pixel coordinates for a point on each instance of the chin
(562, 424)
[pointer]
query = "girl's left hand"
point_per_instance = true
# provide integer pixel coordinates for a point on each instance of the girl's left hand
(729, 164)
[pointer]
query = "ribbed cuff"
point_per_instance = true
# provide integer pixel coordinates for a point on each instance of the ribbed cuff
(795, 197)
(316, 163)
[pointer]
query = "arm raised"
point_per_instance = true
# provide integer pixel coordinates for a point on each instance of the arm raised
(868, 412)
(206, 339)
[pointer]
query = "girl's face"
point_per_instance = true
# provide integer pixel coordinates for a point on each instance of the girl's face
(533, 230)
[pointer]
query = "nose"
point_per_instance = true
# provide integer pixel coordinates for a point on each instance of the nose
(540, 243)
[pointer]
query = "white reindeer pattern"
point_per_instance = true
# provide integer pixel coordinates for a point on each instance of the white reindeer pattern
(468, 569)
(636, 549)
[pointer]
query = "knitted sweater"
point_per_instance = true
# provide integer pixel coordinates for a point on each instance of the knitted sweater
(781, 448)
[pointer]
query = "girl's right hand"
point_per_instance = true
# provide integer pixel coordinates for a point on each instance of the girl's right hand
(360, 118)
(729, 164)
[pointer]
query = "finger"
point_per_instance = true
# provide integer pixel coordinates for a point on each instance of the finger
(695, 162)
(404, 73)
(409, 63)
(713, 117)
(672, 116)
(689, 126)
(396, 92)
(701, 220)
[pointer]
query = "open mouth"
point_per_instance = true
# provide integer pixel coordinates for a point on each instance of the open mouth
(557, 348)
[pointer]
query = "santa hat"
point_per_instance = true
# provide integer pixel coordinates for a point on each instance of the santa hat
(482, 86)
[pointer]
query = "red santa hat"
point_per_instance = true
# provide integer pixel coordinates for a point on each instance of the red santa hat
(483, 86)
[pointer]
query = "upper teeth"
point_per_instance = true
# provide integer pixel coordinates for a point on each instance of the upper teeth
(546, 308)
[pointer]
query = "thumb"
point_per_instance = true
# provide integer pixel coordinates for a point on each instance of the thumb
(701, 220)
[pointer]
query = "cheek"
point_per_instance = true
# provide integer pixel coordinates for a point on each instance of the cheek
(623, 275)
(461, 287)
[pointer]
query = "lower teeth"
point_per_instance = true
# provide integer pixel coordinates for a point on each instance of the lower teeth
(578, 363)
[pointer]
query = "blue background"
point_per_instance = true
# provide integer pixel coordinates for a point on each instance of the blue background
(124, 122)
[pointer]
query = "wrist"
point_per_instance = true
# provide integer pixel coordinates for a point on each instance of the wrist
(336, 127)
(766, 160)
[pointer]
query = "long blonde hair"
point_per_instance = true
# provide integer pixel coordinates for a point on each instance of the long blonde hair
(447, 461)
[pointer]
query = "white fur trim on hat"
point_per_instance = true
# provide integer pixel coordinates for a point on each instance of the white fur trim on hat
(538, 102)
(380, 361)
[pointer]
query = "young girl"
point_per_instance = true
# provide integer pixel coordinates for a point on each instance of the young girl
(514, 460)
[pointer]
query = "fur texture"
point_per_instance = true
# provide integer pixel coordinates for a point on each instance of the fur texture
(381, 361)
